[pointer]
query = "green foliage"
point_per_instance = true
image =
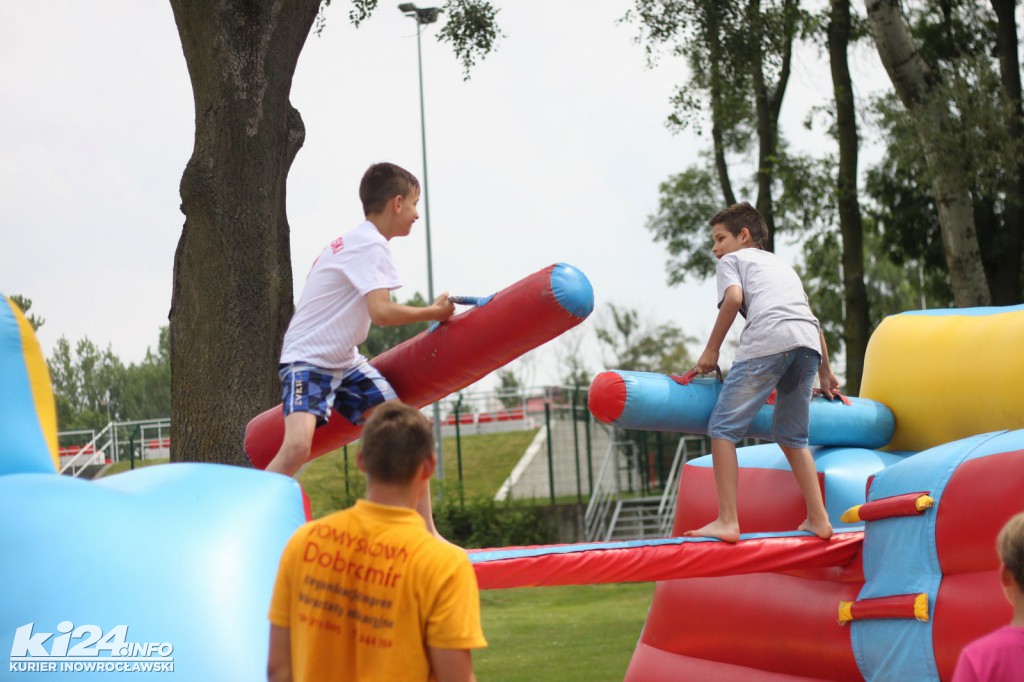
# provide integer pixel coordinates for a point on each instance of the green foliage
(487, 460)
(481, 522)
(92, 386)
(713, 38)
(583, 633)
(686, 203)
(807, 201)
(464, 513)
(905, 233)
(634, 345)
(471, 30)
(26, 304)
(977, 137)
(381, 339)
(510, 391)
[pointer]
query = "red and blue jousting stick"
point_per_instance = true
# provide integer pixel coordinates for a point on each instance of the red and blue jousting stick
(661, 402)
(452, 355)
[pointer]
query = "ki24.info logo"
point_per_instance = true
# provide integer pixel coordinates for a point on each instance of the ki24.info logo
(86, 648)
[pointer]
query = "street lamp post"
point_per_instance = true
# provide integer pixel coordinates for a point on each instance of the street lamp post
(424, 16)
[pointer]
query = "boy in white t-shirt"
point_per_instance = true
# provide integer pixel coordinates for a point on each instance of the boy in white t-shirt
(348, 287)
(781, 347)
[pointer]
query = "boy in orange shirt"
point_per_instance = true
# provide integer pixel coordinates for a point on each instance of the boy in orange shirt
(368, 593)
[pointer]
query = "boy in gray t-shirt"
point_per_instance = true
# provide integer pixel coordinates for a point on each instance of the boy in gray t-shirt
(781, 348)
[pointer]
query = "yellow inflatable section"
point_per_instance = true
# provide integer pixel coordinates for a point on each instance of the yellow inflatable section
(28, 414)
(948, 374)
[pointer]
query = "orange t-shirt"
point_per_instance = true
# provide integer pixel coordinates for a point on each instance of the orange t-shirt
(366, 590)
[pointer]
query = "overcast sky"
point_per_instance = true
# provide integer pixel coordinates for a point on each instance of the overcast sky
(551, 152)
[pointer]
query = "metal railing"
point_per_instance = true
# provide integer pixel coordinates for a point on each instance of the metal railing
(89, 454)
(114, 441)
(670, 495)
(597, 521)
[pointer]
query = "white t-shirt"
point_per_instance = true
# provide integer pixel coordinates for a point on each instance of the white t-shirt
(332, 317)
(774, 303)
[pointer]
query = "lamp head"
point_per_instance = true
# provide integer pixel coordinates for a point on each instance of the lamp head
(423, 15)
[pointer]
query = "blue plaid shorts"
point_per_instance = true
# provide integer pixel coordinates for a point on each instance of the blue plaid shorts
(305, 388)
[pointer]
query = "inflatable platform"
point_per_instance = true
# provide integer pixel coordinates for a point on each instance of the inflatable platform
(170, 569)
(164, 569)
(910, 576)
(172, 566)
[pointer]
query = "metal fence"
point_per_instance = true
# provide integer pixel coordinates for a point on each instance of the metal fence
(563, 461)
(561, 465)
(140, 439)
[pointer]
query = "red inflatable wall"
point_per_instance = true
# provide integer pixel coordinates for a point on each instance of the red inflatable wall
(979, 499)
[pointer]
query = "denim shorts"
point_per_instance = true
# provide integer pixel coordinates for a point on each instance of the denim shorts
(748, 386)
(305, 388)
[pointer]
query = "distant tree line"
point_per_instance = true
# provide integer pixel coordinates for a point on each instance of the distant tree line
(92, 386)
(937, 222)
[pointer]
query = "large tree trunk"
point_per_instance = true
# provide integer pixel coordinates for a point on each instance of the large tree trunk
(232, 295)
(768, 103)
(1006, 277)
(916, 84)
(856, 322)
(717, 85)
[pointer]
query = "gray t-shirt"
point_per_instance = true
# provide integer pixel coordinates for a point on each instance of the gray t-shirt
(774, 303)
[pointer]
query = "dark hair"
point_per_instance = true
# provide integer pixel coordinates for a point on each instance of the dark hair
(382, 182)
(1010, 545)
(741, 215)
(396, 440)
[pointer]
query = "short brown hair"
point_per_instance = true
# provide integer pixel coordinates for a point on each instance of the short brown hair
(381, 183)
(396, 441)
(741, 215)
(1010, 545)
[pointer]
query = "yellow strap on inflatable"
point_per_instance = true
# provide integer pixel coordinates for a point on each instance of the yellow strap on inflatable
(851, 515)
(924, 502)
(845, 612)
(39, 382)
(921, 607)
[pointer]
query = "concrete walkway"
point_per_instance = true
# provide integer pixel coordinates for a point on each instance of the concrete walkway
(532, 475)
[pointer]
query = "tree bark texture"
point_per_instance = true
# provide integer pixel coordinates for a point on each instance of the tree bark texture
(856, 321)
(232, 293)
(916, 84)
(768, 104)
(714, 46)
(1005, 280)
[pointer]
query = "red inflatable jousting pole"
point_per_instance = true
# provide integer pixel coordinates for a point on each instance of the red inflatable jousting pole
(450, 356)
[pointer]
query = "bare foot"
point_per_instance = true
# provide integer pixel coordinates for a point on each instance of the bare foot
(823, 529)
(726, 532)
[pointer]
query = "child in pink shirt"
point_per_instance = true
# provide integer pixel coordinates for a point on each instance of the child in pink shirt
(999, 656)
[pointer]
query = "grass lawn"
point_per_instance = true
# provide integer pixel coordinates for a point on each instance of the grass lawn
(125, 465)
(561, 634)
(487, 459)
(543, 634)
